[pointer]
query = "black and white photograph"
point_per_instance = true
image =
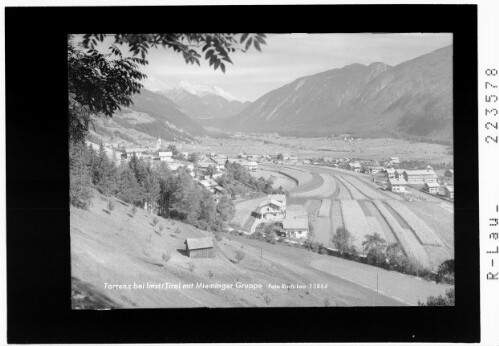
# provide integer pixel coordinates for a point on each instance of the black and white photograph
(261, 170)
(253, 173)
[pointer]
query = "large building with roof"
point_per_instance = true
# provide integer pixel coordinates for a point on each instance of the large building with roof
(419, 176)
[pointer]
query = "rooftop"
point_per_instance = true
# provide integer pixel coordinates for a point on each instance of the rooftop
(295, 223)
(432, 184)
(420, 172)
(397, 182)
(199, 243)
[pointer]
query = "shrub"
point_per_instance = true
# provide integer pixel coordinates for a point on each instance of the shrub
(240, 256)
(166, 256)
(155, 221)
(448, 300)
(326, 302)
(110, 205)
(218, 237)
(177, 230)
(191, 267)
(210, 274)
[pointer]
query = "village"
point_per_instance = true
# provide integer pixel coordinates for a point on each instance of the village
(269, 217)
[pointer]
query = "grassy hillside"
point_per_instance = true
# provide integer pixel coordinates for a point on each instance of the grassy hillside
(118, 247)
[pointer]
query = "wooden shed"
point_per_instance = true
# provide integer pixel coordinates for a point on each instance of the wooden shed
(199, 247)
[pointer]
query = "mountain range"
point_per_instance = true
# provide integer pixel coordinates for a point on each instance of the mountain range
(410, 100)
(204, 101)
(151, 116)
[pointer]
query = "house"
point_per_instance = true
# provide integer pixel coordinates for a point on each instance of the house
(375, 169)
(134, 151)
(396, 185)
(449, 173)
(219, 163)
(280, 198)
(389, 172)
(251, 165)
(269, 211)
(199, 247)
(174, 165)
(356, 167)
(449, 191)
(273, 209)
(399, 174)
(432, 187)
(394, 160)
(165, 156)
(208, 184)
(419, 176)
(295, 227)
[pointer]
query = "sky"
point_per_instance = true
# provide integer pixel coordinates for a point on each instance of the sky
(287, 57)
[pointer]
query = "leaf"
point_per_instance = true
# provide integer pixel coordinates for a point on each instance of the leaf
(243, 37)
(222, 66)
(248, 43)
(257, 45)
(260, 39)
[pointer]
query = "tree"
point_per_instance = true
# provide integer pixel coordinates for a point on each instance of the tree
(373, 241)
(448, 300)
(210, 170)
(173, 149)
(446, 271)
(394, 255)
(102, 80)
(280, 157)
(225, 208)
(343, 239)
(79, 176)
(129, 189)
(193, 157)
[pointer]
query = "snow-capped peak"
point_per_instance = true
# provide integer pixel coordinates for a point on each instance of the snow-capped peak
(203, 90)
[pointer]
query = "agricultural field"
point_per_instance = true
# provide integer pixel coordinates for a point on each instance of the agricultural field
(354, 192)
(279, 179)
(442, 222)
(343, 192)
(301, 177)
(387, 233)
(355, 222)
(336, 218)
(406, 238)
(272, 144)
(325, 208)
(363, 188)
(327, 188)
(425, 234)
(312, 206)
(334, 198)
